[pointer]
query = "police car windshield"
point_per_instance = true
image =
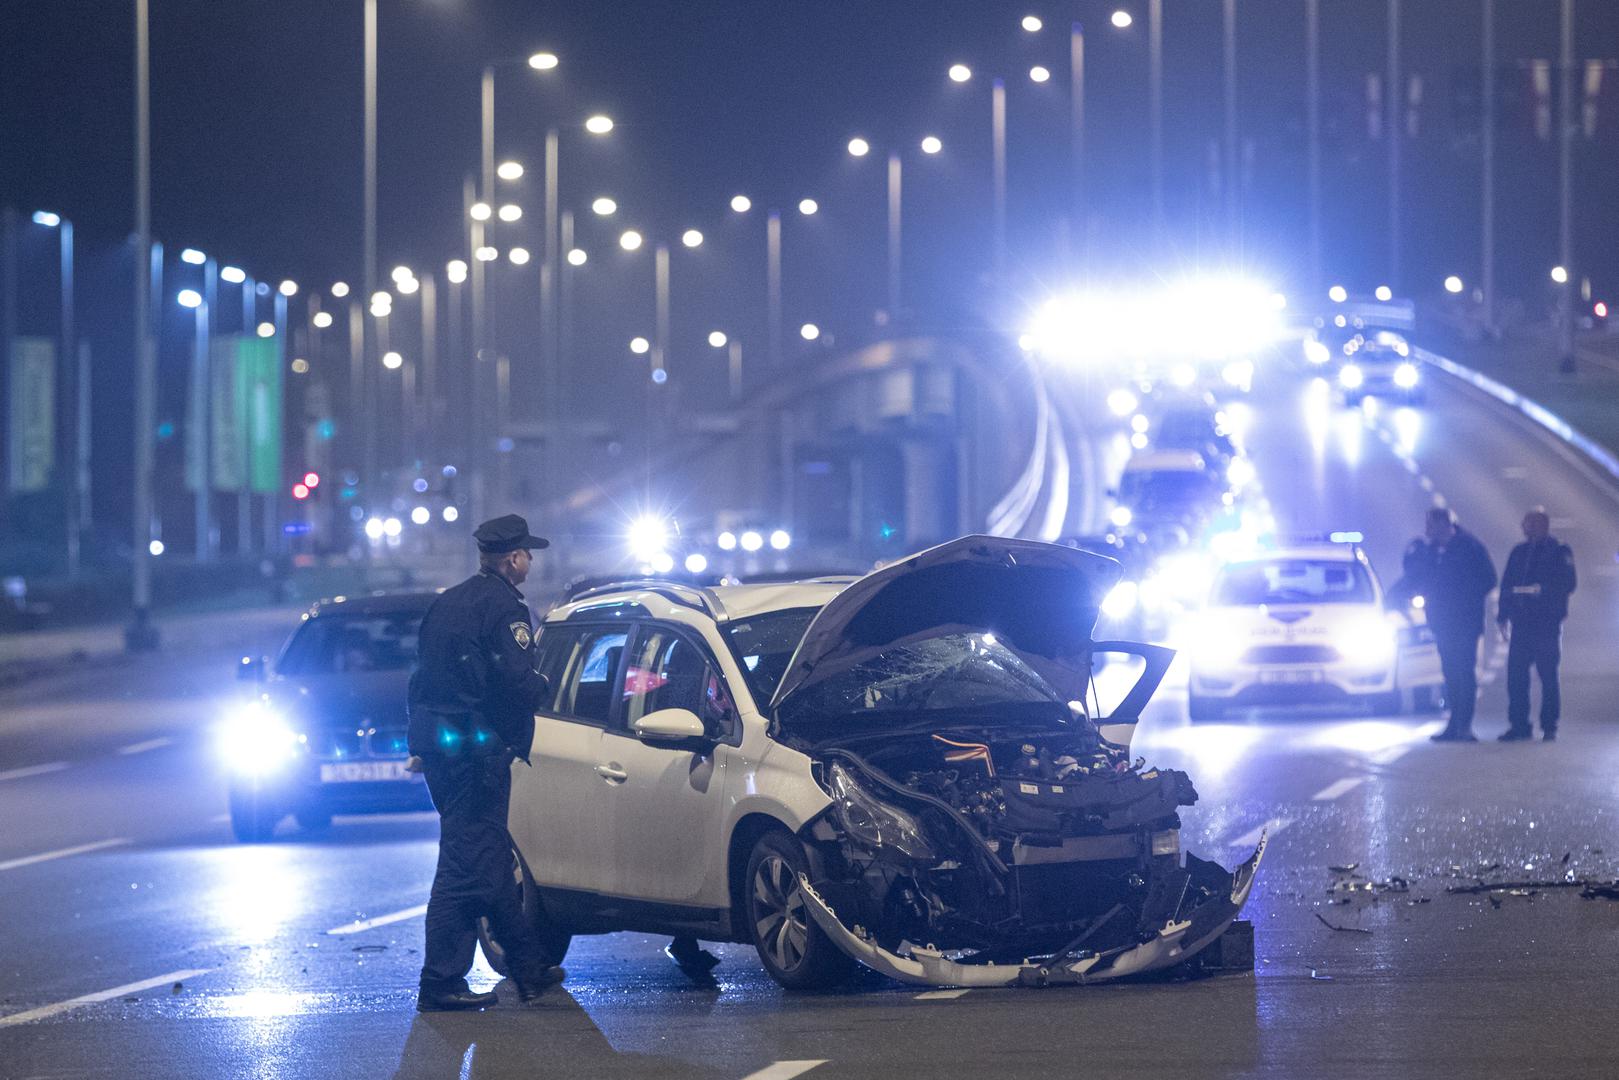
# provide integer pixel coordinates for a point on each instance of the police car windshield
(1294, 581)
(764, 644)
(337, 644)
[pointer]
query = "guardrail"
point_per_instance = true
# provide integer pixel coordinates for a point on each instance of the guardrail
(1535, 411)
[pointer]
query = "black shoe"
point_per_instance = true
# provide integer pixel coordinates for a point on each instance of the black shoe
(1550, 736)
(1515, 735)
(695, 962)
(531, 990)
(453, 1001)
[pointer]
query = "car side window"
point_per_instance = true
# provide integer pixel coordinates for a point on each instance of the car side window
(553, 648)
(590, 674)
(669, 671)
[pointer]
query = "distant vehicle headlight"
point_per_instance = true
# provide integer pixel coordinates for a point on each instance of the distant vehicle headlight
(1406, 376)
(1316, 352)
(1350, 376)
(1121, 516)
(254, 739)
(1370, 642)
(1121, 600)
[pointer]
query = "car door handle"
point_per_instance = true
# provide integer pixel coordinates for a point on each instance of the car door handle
(612, 772)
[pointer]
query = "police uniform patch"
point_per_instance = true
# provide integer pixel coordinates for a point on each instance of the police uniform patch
(522, 634)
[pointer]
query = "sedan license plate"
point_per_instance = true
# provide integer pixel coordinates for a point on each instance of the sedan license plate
(1290, 677)
(348, 772)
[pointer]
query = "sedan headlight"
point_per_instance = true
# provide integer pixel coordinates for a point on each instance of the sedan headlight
(255, 739)
(1405, 376)
(871, 823)
(1350, 376)
(1369, 643)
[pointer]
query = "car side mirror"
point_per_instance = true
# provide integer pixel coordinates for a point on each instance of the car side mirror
(673, 729)
(252, 669)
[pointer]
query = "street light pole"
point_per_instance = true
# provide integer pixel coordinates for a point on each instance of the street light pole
(244, 496)
(72, 378)
(141, 635)
(1487, 144)
(894, 192)
(1565, 184)
(1233, 199)
(998, 134)
(773, 286)
(1155, 104)
(1076, 136)
(202, 433)
(1395, 111)
(366, 412)
(1312, 108)
(660, 271)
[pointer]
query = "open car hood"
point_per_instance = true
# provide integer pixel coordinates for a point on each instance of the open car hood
(1040, 600)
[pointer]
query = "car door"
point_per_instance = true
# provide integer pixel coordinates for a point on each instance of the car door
(559, 807)
(667, 808)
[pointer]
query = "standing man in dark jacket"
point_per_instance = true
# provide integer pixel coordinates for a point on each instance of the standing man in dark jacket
(1534, 602)
(1453, 573)
(472, 704)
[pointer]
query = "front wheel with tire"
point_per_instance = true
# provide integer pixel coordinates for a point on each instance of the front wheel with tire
(253, 817)
(553, 937)
(795, 951)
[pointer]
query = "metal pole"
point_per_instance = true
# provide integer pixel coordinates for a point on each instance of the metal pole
(426, 433)
(1312, 106)
(562, 440)
(272, 533)
(660, 349)
(244, 496)
(1487, 142)
(997, 106)
(1396, 100)
(71, 373)
(773, 285)
(82, 429)
(365, 406)
(1076, 127)
(483, 453)
(1155, 104)
(1565, 184)
(202, 434)
(1233, 199)
(141, 635)
(550, 329)
(895, 180)
(736, 369)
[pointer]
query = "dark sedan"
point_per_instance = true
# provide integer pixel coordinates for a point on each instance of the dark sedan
(324, 731)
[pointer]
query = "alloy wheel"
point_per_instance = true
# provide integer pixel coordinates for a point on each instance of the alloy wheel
(781, 921)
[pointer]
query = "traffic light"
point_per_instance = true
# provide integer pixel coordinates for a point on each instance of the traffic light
(311, 480)
(300, 491)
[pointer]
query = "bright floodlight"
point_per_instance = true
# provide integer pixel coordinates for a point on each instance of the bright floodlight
(392, 360)
(189, 298)
(781, 539)
(266, 329)
(1560, 275)
(47, 219)
(726, 541)
(233, 274)
(691, 238)
(604, 207)
(518, 256)
(421, 515)
(931, 144)
(599, 124)
(630, 240)
(480, 211)
(741, 203)
(456, 271)
(717, 338)
(639, 346)
(288, 288)
(193, 257)
(401, 273)
(809, 331)
(340, 289)
(486, 254)
(859, 147)
(808, 206)
(647, 537)
(696, 563)
(1453, 284)
(1383, 293)
(543, 61)
(578, 257)
(752, 541)
(509, 170)
(1032, 24)
(322, 319)
(1040, 74)
(511, 212)
(1338, 294)
(408, 286)
(960, 72)
(155, 547)
(1121, 19)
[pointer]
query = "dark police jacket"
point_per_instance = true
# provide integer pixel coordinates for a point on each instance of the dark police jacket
(1536, 584)
(1453, 580)
(475, 689)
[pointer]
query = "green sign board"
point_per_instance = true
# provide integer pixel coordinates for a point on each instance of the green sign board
(246, 404)
(31, 448)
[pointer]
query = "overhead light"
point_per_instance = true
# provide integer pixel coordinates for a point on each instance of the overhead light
(510, 212)
(189, 298)
(193, 257)
(392, 360)
(509, 170)
(288, 288)
(518, 256)
(47, 219)
(717, 338)
(321, 319)
(479, 211)
(741, 203)
(809, 331)
(577, 257)
(456, 271)
(233, 274)
(859, 147)
(808, 206)
(630, 240)
(599, 125)
(640, 346)
(543, 61)
(960, 73)
(691, 238)
(1039, 74)
(1032, 24)
(339, 289)
(1122, 19)
(931, 144)
(486, 254)
(604, 206)
(266, 329)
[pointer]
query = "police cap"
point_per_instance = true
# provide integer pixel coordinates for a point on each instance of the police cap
(508, 533)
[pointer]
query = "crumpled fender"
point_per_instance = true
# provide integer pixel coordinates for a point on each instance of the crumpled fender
(1176, 942)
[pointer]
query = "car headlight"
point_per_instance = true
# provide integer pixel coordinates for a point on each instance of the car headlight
(1214, 645)
(1316, 352)
(1120, 600)
(1121, 516)
(1370, 642)
(255, 739)
(1405, 376)
(871, 823)
(1350, 376)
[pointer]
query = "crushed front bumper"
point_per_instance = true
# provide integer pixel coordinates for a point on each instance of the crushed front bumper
(1177, 941)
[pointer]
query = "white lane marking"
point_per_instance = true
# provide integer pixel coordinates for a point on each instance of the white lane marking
(142, 747)
(1270, 828)
(785, 1070)
(62, 853)
(1515, 472)
(941, 995)
(380, 920)
(33, 770)
(1338, 788)
(101, 995)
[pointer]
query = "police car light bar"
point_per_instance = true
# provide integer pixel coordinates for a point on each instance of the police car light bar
(1347, 537)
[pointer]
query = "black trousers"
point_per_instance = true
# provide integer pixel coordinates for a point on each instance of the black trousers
(1458, 661)
(1539, 647)
(474, 876)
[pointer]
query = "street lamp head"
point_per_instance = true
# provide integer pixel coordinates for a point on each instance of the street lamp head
(456, 271)
(931, 144)
(578, 257)
(1121, 19)
(717, 338)
(1032, 24)
(640, 346)
(480, 211)
(741, 203)
(1560, 275)
(189, 298)
(1453, 284)
(300, 366)
(630, 240)
(1337, 294)
(543, 61)
(382, 297)
(193, 257)
(518, 256)
(509, 170)
(340, 289)
(960, 73)
(486, 254)
(47, 219)
(859, 147)
(510, 212)
(407, 286)
(233, 274)
(809, 331)
(1383, 293)
(392, 361)
(599, 124)
(266, 329)
(322, 319)
(1039, 74)
(691, 238)
(604, 207)
(401, 273)
(808, 207)
(288, 287)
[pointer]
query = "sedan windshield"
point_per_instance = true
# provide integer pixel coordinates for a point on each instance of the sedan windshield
(1295, 581)
(333, 644)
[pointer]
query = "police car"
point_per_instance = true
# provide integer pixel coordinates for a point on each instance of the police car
(1308, 624)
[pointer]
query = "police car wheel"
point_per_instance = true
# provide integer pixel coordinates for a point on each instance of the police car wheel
(252, 817)
(792, 948)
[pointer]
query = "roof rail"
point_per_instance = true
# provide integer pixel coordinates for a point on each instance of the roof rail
(695, 597)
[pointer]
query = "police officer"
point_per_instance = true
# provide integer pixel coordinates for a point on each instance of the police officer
(1453, 573)
(1534, 602)
(472, 703)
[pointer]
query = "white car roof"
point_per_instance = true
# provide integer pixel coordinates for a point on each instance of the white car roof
(671, 600)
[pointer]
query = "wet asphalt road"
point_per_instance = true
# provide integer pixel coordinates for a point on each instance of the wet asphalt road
(209, 958)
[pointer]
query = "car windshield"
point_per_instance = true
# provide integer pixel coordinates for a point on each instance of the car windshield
(764, 644)
(1163, 488)
(334, 644)
(953, 673)
(1294, 581)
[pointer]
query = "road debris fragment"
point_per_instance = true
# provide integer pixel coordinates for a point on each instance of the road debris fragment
(1341, 929)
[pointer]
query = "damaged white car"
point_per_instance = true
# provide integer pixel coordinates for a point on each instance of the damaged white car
(897, 770)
